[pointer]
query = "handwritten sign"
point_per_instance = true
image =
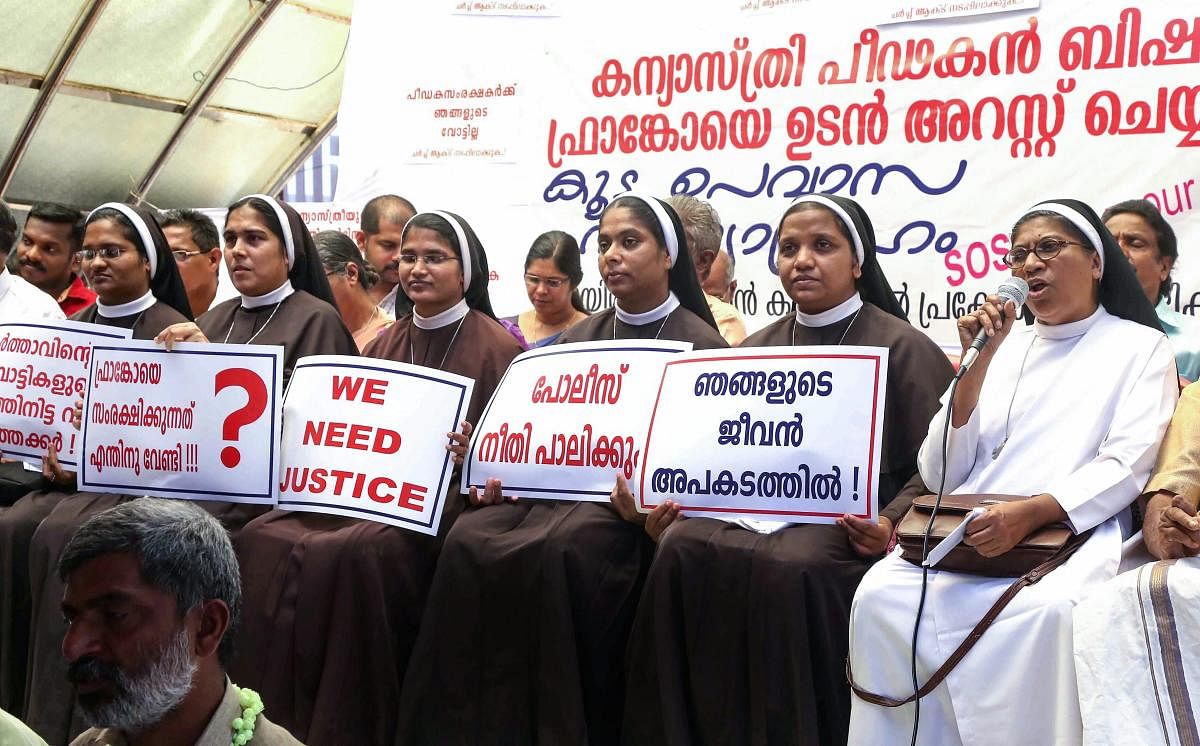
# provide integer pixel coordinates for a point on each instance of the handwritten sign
(43, 371)
(567, 418)
(782, 433)
(200, 422)
(366, 438)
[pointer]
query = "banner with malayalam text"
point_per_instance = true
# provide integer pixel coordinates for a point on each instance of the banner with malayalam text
(366, 438)
(566, 419)
(780, 433)
(945, 120)
(43, 372)
(200, 422)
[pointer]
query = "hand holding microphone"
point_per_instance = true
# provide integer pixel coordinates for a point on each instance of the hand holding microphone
(989, 324)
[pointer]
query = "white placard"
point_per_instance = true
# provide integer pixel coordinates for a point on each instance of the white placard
(781, 433)
(905, 12)
(366, 438)
(200, 422)
(43, 371)
(567, 418)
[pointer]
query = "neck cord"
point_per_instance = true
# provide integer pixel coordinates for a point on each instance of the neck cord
(424, 358)
(660, 326)
(1016, 387)
(796, 323)
(260, 331)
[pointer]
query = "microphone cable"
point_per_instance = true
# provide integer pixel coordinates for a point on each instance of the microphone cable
(937, 503)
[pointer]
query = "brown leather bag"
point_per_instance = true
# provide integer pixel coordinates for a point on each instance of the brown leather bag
(1030, 552)
(1032, 559)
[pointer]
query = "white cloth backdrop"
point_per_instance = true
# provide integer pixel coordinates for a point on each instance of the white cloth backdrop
(481, 114)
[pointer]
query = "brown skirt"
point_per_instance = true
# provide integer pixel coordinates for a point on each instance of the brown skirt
(17, 524)
(742, 637)
(331, 607)
(524, 633)
(51, 707)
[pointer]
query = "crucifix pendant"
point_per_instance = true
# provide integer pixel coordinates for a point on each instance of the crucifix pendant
(996, 451)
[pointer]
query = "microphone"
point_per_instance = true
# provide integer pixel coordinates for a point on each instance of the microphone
(1014, 289)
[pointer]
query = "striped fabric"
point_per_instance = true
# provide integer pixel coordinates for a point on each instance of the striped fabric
(1137, 653)
(316, 179)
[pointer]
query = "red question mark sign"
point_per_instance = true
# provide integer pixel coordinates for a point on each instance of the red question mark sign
(256, 404)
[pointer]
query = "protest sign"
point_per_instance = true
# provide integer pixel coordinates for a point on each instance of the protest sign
(200, 422)
(581, 408)
(43, 371)
(366, 438)
(781, 433)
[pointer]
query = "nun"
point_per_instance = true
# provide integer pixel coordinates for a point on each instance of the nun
(524, 633)
(283, 295)
(332, 600)
(127, 261)
(284, 300)
(1068, 409)
(740, 636)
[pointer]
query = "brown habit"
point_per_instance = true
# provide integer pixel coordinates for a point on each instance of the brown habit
(524, 633)
(303, 325)
(742, 637)
(333, 604)
(18, 523)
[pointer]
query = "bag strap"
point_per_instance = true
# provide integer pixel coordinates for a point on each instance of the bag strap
(965, 646)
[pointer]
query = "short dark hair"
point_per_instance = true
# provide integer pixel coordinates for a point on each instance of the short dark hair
(389, 207)
(53, 212)
(179, 548)
(1164, 235)
(8, 228)
(204, 231)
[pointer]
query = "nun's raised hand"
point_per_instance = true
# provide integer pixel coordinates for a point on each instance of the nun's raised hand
(622, 499)
(988, 318)
(460, 441)
(53, 472)
(663, 516)
(493, 494)
(182, 332)
(868, 539)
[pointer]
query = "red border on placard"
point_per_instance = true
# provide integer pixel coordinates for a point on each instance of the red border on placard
(705, 509)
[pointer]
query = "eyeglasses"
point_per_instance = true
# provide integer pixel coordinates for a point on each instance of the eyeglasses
(1046, 249)
(182, 256)
(553, 283)
(431, 260)
(108, 252)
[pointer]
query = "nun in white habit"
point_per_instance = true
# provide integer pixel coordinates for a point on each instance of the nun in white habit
(1070, 410)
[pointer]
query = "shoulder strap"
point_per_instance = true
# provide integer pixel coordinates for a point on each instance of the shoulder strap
(965, 646)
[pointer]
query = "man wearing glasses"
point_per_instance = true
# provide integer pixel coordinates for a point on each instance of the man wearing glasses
(196, 246)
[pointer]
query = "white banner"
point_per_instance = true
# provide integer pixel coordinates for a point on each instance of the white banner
(945, 131)
(782, 433)
(566, 419)
(200, 422)
(347, 452)
(43, 372)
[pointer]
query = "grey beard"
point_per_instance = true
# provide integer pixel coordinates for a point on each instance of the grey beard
(146, 698)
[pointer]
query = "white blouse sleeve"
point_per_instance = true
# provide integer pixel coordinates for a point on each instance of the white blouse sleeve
(964, 442)
(1107, 484)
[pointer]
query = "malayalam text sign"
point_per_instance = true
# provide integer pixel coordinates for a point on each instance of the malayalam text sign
(567, 418)
(200, 422)
(43, 371)
(780, 433)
